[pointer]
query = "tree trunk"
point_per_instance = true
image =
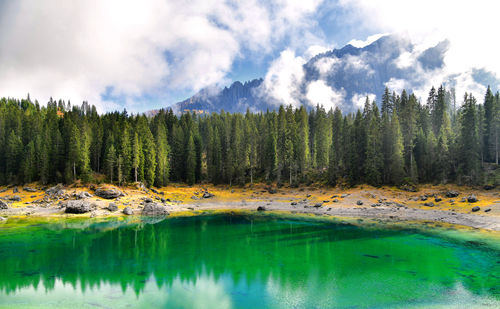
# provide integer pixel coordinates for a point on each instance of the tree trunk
(74, 170)
(135, 173)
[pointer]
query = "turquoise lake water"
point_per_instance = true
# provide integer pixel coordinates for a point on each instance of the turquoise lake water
(242, 261)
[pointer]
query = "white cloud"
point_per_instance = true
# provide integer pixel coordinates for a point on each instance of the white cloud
(325, 65)
(358, 99)
(358, 63)
(79, 49)
(284, 78)
(467, 25)
(396, 84)
(368, 41)
(318, 92)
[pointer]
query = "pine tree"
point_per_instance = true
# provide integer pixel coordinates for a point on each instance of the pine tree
(469, 140)
(397, 158)
(374, 161)
(335, 166)
(303, 155)
(162, 155)
(190, 161)
(110, 161)
(136, 151)
(489, 119)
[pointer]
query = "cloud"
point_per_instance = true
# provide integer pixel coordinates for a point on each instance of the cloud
(467, 25)
(358, 99)
(283, 79)
(368, 41)
(80, 50)
(318, 92)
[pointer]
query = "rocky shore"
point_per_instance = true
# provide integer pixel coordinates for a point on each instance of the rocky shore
(473, 207)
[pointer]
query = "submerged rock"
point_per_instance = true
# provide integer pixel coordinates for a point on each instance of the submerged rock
(153, 209)
(3, 205)
(108, 193)
(261, 208)
(128, 211)
(78, 207)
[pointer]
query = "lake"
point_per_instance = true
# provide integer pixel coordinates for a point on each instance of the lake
(241, 261)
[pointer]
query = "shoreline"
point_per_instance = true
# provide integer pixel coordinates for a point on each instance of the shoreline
(389, 205)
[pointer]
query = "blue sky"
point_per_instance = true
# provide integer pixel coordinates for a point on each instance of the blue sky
(150, 54)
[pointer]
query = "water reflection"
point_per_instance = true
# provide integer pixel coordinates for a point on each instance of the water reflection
(237, 261)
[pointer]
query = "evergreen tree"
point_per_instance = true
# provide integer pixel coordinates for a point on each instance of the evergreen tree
(136, 151)
(190, 161)
(374, 161)
(110, 161)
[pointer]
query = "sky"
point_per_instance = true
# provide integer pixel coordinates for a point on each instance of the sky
(143, 55)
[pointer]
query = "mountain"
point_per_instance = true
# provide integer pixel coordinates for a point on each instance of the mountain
(348, 75)
(236, 98)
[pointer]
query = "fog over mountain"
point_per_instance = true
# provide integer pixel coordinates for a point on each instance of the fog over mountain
(344, 78)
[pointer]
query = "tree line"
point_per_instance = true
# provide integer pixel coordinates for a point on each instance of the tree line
(403, 141)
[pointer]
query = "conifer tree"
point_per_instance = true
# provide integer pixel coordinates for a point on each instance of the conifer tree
(190, 161)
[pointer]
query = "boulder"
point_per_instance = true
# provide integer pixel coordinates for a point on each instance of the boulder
(82, 195)
(489, 187)
(423, 198)
(14, 198)
(344, 195)
(112, 207)
(463, 200)
(487, 210)
(3, 205)
(154, 191)
(29, 189)
(15, 190)
(154, 209)
(451, 194)
(294, 204)
(408, 188)
(55, 191)
(194, 197)
(78, 207)
(472, 198)
(108, 193)
(207, 195)
(127, 211)
(335, 200)
(359, 202)
(475, 208)
(318, 205)
(437, 199)
(148, 200)
(261, 208)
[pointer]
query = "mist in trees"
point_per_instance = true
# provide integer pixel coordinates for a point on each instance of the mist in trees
(405, 141)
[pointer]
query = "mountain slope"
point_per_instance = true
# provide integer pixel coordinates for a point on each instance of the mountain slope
(345, 75)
